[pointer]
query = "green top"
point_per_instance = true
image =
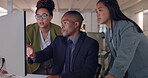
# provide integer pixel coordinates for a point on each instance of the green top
(33, 39)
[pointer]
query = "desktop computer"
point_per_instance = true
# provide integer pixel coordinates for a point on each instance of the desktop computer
(12, 43)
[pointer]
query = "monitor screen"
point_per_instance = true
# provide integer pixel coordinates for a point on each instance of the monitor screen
(12, 42)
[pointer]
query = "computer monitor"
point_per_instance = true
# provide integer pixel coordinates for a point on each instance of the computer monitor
(12, 42)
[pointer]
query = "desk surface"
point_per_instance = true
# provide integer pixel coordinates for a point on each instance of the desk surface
(27, 76)
(35, 76)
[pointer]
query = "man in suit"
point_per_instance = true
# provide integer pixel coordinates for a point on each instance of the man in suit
(83, 50)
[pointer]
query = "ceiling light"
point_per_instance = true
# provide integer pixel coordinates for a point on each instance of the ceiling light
(2, 9)
(145, 11)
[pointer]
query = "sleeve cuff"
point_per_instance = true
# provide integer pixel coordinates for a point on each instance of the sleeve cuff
(31, 61)
(116, 74)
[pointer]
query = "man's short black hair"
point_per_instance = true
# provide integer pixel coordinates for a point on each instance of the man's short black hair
(77, 15)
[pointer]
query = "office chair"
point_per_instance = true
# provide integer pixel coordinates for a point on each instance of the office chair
(98, 71)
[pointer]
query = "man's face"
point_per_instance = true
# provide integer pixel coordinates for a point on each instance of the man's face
(69, 25)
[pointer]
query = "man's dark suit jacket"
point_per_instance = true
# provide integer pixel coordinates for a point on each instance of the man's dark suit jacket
(85, 57)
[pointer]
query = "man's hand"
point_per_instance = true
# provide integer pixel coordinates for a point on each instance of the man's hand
(3, 72)
(53, 76)
(110, 76)
(30, 52)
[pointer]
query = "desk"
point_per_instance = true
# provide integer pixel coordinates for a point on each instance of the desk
(27, 76)
(35, 76)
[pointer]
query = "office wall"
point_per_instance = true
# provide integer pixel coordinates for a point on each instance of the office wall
(145, 23)
(30, 16)
(57, 18)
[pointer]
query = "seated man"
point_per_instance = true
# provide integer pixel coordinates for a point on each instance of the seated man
(75, 55)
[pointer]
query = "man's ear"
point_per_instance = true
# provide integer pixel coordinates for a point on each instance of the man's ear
(77, 24)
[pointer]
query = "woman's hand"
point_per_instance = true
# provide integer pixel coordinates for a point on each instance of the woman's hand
(110, 76)
(53, 76)
(3, 72)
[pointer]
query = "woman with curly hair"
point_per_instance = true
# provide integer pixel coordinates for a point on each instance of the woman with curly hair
(39, 35)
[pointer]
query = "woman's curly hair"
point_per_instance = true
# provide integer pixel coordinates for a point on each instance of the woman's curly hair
(47, 4)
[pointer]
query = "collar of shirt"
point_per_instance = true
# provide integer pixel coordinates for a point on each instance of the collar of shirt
(74, 40)
(46, 42)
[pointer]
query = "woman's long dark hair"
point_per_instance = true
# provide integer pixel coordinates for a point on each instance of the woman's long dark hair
(116, 14)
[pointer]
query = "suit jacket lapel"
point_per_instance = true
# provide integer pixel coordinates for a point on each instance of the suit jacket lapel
(78, 46)
(63, 55)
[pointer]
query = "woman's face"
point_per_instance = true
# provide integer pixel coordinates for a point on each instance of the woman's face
(43, 17)
(102, 12)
